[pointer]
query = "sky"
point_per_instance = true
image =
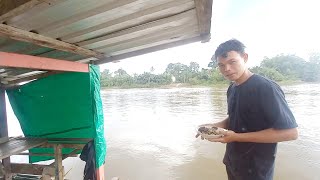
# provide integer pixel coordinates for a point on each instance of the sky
(266, 27)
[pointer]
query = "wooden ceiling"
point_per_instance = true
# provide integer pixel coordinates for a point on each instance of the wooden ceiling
(95, 31)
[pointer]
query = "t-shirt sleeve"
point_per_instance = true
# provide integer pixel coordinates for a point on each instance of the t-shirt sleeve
(275, 108)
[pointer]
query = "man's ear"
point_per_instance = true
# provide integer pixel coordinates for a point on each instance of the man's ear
(245, 57)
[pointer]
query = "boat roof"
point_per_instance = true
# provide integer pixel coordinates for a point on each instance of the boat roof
(95, 31)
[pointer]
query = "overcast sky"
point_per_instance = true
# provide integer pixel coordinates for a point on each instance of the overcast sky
(266, 27)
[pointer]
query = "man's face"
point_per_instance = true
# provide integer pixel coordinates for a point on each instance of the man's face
(233, 66)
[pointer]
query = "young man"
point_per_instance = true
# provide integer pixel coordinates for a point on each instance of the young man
(258, 117)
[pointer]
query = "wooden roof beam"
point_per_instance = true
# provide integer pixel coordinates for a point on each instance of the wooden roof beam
(148, 50)
(204, 13)
(36, 75)
(40, 63)
(113, 58)
(136, 31)
(22, 35)
(171, 34)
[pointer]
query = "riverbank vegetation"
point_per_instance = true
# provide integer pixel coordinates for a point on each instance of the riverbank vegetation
(281, 68)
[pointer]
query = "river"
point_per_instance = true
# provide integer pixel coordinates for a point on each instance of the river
(150, 135)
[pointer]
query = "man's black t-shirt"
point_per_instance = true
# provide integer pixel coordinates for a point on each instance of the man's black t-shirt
(255, 105)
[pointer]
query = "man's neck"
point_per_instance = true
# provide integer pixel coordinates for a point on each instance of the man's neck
(244, 77)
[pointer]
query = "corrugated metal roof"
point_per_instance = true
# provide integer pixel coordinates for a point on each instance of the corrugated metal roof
(106, 30)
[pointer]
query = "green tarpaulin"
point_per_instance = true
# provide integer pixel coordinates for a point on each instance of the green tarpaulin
(66, 105)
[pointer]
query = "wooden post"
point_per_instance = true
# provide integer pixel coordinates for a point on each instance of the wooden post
(3, 115)
(4, 131)
(58, 162)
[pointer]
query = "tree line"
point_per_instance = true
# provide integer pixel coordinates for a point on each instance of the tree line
(279, 68)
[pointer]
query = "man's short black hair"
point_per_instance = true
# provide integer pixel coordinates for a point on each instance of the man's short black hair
(230, 45)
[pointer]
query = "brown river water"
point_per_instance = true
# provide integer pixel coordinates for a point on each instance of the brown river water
(150, 135)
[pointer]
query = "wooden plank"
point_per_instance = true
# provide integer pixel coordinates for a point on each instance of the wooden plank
(13, 76)
(55, 54)
(58, 162)
(40, 40)
(4, 133)
(47, 154)
(3, 115)
(40, 63)
(10, 81)
(36, 75)
(22, 75)
(159, 41)
(182, 28)
(158, 25)
(4, 139)
(13, 72)
(148, 50)
(91, 12)
(29, 78)
(17, 146)
(204, 13)
(167, 34)
(20, 9)
(29, 16)
(127, 8)
(116, 58)
(162, 40)
(7, 168)
(35, 169)
(75, 146)
(8, 5)
(170, 34)
(84, 140)
(140, 17)
(71, 154)
(63, 140)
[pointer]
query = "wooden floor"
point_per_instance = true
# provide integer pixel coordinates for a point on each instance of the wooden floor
(16, 146)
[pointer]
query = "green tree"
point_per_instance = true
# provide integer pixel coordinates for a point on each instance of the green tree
(120, 72)
(122, 78)
(311, 71)
(194, 67)
(315, 58)
(268, 72)
(213, 64)
(216, 76)
(178, 70)
(106, 78)
(278, 68)
(291, 66)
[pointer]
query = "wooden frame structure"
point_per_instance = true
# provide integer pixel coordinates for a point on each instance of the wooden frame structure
(16, 146)
(39, 38)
